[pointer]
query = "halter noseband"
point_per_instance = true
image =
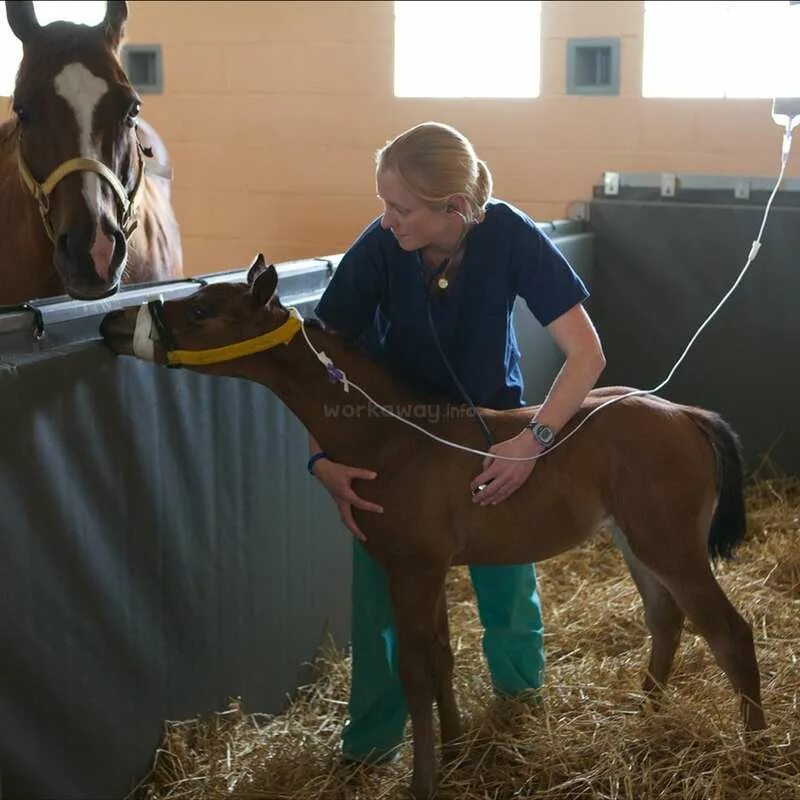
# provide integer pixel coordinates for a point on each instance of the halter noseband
(127, 202)
(151, 315)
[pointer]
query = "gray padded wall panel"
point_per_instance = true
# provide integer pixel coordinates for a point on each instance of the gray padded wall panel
(661, 267)
(163, 550)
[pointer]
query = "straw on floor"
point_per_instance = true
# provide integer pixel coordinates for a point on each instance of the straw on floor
(592, 737)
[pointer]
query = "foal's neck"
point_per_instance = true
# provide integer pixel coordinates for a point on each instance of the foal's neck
(344, 423)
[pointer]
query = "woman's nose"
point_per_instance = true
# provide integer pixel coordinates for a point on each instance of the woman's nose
(386, 223)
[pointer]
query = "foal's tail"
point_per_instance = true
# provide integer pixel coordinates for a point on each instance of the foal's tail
(729, 525)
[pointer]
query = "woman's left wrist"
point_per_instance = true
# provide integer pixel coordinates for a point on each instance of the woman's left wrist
(531, 444)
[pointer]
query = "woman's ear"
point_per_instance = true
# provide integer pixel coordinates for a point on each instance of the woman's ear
(458, 204)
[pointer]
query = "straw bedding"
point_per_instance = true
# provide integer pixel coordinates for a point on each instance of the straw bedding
(592, 737)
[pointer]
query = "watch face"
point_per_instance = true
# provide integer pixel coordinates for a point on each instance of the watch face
(544, 434)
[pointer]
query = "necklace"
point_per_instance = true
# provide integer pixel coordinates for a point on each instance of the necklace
(453, 259)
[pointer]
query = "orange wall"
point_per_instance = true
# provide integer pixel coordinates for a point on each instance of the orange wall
(272, 112)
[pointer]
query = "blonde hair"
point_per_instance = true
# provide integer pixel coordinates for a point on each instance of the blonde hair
(438, 162)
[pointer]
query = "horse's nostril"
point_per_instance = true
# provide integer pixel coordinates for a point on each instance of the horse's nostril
(62, 243)
(70, 243)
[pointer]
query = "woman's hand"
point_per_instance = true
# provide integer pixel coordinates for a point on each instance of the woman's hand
(502, 478)
(337, 479)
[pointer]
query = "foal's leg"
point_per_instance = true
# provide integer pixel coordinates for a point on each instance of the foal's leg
(664, 619)
(415, 596)
(449, 718)
(687, 574)
(728, 635)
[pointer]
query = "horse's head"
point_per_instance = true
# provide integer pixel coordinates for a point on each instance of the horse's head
(217, 323)
(78, 151)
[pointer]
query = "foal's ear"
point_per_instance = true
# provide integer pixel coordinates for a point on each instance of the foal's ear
(264, 287)
(256, 268)
(114, 22)
(22, 19)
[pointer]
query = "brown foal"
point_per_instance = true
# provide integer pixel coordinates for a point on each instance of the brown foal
(669, 476)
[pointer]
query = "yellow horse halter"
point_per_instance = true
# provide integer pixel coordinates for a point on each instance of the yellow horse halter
(127, 202)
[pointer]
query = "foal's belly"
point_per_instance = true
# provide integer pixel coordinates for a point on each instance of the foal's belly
(517, 533)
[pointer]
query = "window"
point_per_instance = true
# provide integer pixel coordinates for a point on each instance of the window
(467, 49)
(695, 48)
(88, 12)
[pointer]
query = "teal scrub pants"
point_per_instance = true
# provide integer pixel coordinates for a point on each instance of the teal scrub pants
(509, 610)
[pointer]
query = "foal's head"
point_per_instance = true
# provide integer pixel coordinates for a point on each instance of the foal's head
(218, 315)
(72, 100)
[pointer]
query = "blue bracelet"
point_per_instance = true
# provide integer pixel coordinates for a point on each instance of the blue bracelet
(313, 460)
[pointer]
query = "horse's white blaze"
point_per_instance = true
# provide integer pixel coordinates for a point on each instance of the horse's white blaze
(142, 340)
(83, 91)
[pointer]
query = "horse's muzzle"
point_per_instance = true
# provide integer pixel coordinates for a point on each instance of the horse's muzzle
(76, 260)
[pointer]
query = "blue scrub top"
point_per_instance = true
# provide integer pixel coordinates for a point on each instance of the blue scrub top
(378, 297)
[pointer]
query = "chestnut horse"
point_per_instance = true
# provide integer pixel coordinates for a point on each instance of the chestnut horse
(81, 207)
(668, 475)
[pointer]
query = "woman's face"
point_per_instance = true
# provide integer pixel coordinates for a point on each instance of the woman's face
(414, 223)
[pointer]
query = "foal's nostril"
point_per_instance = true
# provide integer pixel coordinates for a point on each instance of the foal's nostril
(107, 323)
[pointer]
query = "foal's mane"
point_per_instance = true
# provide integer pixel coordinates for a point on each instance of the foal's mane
(405, 388)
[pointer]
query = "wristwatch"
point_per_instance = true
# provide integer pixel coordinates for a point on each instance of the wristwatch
(543, 434)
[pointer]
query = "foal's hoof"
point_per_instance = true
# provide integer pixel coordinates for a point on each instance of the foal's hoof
(423, 791)
(450, 753)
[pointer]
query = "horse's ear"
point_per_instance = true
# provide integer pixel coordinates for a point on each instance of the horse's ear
(264, 287)
(115, 21)
(22, 19)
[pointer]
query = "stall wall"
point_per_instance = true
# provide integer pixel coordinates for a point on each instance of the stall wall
(273, 111)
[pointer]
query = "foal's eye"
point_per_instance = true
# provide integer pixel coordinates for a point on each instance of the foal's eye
(199, 313)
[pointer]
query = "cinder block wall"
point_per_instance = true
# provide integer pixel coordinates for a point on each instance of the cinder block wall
(273, 111)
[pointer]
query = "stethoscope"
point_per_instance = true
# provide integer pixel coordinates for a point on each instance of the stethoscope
(443, 284)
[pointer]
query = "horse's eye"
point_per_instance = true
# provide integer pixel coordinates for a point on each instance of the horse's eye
(22, 115)
(133, 113)
(199, 313)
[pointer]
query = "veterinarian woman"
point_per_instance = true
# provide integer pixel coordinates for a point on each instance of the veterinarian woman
(442, 236)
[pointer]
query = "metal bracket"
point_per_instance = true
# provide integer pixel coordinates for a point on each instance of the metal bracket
(741, 191)
(610, 183)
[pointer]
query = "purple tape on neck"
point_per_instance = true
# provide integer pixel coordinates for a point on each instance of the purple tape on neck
(335, 375)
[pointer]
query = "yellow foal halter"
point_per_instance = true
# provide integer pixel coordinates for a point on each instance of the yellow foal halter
(41, 191)
(216, 355)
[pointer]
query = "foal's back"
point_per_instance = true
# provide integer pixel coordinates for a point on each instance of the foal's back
(640, 459)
